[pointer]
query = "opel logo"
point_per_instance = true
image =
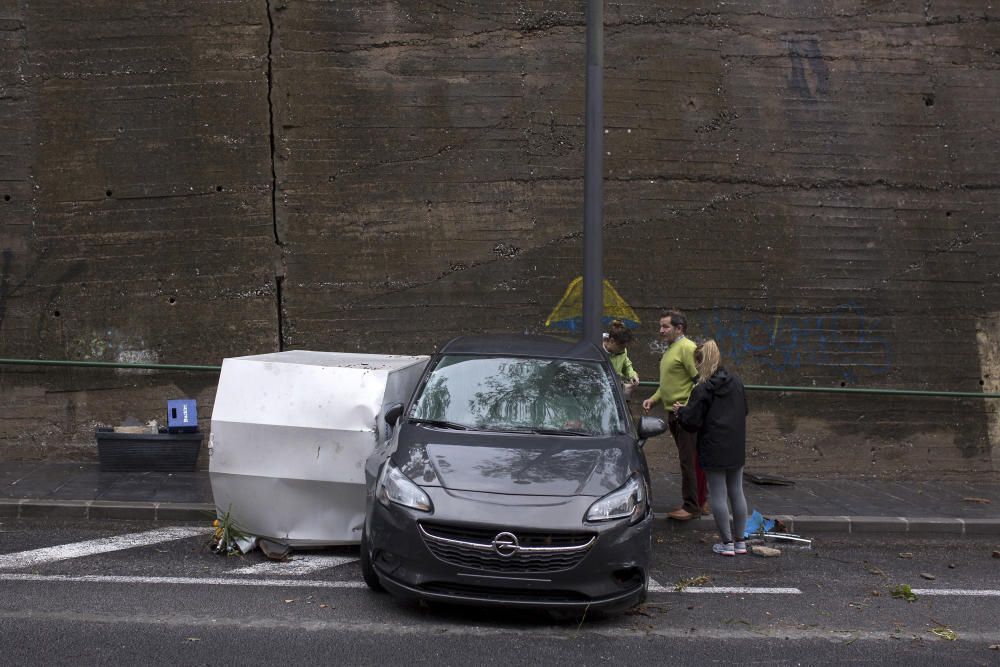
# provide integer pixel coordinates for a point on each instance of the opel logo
(506, 544)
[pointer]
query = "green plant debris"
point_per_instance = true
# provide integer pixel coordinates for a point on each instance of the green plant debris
(691, 581)
(226, 535)
(945, 633)
(905, 592)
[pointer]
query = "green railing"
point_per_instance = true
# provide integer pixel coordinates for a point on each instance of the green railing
(750, 387)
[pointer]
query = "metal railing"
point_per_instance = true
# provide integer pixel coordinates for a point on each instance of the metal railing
(750, 387)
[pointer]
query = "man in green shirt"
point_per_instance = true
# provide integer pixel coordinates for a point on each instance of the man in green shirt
(677, 376)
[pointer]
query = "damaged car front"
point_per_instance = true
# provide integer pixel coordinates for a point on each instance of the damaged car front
(515, 477)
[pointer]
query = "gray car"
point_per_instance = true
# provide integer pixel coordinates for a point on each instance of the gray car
(514, 476)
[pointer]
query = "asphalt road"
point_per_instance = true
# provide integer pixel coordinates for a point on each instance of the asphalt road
(162, 597)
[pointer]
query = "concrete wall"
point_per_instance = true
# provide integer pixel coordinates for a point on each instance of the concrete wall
(815, 183)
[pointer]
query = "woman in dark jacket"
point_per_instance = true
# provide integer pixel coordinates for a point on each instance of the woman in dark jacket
(717, 410)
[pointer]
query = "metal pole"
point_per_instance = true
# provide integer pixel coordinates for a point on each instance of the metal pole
(593, 196)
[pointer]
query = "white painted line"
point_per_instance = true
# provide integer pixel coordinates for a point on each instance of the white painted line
(742, 590)
(197, 581)
(655, 587)
(296, 565)
(957, 591)
(98, 546)
(309, 583)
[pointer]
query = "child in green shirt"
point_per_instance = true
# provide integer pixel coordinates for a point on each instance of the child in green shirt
(616, 340)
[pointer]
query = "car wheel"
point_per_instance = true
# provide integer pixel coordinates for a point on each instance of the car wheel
(367, 571)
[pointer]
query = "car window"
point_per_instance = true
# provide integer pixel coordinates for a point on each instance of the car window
(512, 393)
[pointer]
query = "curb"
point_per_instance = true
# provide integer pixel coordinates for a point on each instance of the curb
(28, 508)
(861, 525)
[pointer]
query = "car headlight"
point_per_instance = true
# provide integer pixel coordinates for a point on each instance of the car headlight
(627, 501)
(395, 487)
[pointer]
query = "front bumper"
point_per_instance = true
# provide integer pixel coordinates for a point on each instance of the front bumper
(611, 573)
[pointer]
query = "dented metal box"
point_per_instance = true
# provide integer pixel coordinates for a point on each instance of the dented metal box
(290, 435)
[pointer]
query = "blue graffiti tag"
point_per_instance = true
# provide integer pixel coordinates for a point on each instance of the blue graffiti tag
(845, 341)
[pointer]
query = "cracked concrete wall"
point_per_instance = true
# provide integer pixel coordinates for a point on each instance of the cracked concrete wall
(815, 183)
(137, 212)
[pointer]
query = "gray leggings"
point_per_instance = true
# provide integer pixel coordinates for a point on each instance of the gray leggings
(726, 485)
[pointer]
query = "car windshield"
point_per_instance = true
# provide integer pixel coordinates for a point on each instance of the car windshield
(558, 396)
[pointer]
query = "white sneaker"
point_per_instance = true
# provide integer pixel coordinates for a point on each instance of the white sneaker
(725, 549)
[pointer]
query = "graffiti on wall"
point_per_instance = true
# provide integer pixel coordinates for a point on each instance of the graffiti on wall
(845, 341)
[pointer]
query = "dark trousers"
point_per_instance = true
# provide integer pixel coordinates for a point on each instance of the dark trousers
(694, 489)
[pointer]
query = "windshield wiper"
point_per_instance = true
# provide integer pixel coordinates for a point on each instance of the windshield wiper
(559, 431)
(440, 423)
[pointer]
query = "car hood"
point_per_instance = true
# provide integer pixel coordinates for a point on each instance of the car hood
(544, 466)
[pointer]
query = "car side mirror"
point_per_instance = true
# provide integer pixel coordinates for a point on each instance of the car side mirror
(650, 426)
(393, 413)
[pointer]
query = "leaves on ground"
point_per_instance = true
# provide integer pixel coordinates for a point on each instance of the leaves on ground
(691, 581)
(905, 592)
(981, 501)
(906, 554)
(945, 633)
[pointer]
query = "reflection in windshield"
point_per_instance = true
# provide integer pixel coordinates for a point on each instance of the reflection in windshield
(504, 393)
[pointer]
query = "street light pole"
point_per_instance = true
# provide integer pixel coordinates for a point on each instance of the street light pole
(593, 174)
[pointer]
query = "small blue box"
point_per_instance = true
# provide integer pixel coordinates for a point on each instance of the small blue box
(182, 416)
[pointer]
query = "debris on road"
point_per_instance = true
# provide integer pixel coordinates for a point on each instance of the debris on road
(905, 592)
(766, 552)
(691, 581)
(768, 479)
(229, 539)
(928, 576)
(871, 569)
(906, 554)
(945, 633)
(996, 554)
(274, 550)
(981, 501)
(760, 527)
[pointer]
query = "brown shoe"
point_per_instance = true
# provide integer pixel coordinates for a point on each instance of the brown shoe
(681, 514)
(705, 509)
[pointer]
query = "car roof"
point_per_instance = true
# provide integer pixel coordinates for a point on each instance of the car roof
(523, 346)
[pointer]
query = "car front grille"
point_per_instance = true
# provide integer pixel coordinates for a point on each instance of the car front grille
(475, 548)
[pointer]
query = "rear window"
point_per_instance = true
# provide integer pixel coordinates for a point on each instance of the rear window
(515, 394)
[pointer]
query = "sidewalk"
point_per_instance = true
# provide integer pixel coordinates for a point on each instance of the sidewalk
(81, 490)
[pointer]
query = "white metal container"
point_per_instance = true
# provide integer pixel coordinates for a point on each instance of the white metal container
(290, 435)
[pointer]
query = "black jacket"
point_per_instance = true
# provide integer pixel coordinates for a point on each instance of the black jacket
(717, 410)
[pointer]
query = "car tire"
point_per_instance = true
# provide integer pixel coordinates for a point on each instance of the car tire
(367, 570)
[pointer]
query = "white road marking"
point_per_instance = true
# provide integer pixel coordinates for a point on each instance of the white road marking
(197, 581)
(308, 583)
(748, 590)
(297, 565)
(655, 587)
(957, 591)
(98, 546)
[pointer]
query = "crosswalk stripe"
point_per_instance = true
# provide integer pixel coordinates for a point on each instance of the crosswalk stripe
(297, 565)
(98, 546)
